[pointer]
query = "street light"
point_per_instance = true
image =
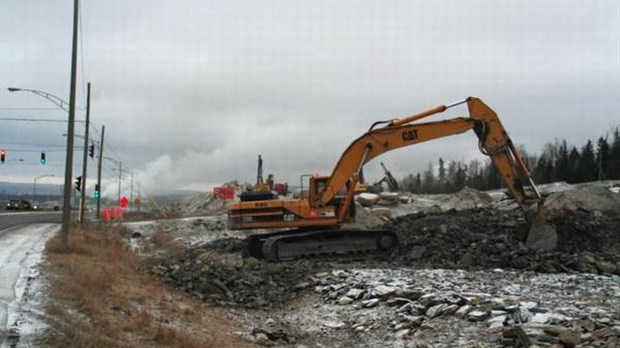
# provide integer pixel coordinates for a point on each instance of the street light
(66, 206)
(54, 99)
(34, 191)
(70, 109)
(65, 106)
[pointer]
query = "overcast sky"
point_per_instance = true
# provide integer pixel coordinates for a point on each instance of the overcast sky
(191, 91)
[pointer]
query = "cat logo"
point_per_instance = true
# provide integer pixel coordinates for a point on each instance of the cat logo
(410, 135)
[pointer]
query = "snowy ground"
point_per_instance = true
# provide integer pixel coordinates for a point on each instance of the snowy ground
(21, 250)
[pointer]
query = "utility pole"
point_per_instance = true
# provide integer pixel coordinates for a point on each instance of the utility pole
(131, 193)
(140, 199)
(85, 158)
(66, 207)
(120, 174)
(99, 171)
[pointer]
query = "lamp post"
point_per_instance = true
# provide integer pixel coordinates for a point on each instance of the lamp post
(66, 207)
(34, 190)
(54, 99)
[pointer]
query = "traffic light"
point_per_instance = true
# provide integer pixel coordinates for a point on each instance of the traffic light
(2, 155)
(91, 151)
(42, 160)
(96, 193)
(78, 183)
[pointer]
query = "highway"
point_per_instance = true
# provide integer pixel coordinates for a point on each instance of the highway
(11, 219)
(22, 241)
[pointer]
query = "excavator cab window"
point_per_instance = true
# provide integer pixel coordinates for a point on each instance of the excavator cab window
(317, 185)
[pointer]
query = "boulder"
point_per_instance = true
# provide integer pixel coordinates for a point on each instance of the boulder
(389, 196)
(367, 199)
(344, 300)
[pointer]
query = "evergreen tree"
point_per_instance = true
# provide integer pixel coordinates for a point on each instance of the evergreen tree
(562, 167)
(573, 159)
(407, 183)
(428, 184)
(541, 172)
(586, 167)
(451, 175)
(474, 175)
(442, 171)
(418, 183)
(602, 158)
(492, 178)
(459, 178)
(613, 164)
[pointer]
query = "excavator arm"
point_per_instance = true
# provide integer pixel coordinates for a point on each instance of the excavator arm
(493, 139)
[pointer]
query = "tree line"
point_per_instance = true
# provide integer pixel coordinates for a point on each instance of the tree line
(558, 161)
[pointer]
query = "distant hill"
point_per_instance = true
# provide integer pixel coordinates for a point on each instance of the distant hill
(175, 196)
(22, 189)
(11, 190)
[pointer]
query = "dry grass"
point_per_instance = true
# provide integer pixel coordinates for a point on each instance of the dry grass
(100, 296)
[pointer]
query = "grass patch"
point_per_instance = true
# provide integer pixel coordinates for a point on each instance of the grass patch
(100, 296)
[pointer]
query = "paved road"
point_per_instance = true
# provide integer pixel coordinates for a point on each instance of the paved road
(11, 219)
(21, 248)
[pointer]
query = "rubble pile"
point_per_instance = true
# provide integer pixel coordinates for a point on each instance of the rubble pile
(188, 231)
(201, 204)
(461, 276)
(589, 197)
(485, 238)
(505, 307)
(219, 273)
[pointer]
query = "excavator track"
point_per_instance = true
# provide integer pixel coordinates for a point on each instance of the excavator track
(295, 244)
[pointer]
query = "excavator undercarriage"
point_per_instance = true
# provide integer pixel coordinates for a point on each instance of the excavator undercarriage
(301, 243)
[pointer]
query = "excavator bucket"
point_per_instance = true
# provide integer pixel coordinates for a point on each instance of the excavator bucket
(541, 235)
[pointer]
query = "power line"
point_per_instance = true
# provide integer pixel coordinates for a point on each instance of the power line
(109, 147)
(34, 119)
(31, 108)
(45, 150)
(31, 144)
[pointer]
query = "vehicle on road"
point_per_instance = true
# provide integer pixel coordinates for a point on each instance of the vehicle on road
(19, 204)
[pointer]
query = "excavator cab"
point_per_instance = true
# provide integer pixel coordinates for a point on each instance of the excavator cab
(317, 185)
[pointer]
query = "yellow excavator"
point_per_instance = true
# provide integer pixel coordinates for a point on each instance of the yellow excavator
(311, 225)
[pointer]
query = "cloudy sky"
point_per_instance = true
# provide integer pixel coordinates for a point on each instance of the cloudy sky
(191, 91)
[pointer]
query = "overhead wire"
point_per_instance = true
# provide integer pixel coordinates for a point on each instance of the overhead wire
(35, 119)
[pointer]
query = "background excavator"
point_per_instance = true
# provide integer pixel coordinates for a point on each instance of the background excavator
(311, 225)
(263, 189)
(388, 179)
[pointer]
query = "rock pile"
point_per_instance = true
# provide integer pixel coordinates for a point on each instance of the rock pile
(589, 197)
(507, 307)
(485, 238)
(201, 204)
(218, 273)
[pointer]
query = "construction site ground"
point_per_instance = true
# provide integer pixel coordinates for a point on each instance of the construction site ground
(461, 276)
